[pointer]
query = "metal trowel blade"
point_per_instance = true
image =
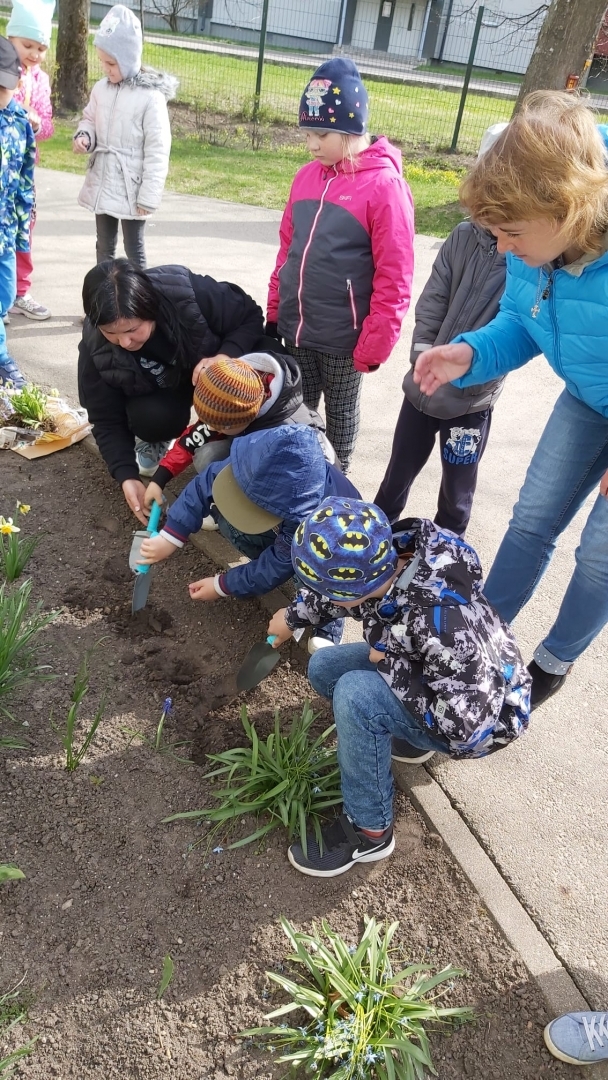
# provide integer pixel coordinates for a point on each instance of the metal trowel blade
(259, 662)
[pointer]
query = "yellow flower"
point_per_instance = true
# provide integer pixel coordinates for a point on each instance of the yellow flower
(7, 527)
(23, 508)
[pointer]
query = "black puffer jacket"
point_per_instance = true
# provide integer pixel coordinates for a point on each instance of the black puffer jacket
(462, 293)
(218, 317)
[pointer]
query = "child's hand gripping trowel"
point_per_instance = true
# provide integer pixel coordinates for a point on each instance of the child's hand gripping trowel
(141, 587)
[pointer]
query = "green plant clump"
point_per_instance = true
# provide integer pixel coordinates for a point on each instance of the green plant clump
(15, 551)
(362, 1018)
(30, 404)
(290, 777)
(20, 626)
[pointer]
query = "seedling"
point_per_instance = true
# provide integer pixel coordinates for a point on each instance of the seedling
(290, 778)
(360, 1018)
(74, 756)
(20, 626)
(13, 1011)
(167, 975)
(15, 550)
(158, 743)
(8, 872)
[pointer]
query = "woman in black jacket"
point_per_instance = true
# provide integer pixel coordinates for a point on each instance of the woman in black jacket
(146, 336)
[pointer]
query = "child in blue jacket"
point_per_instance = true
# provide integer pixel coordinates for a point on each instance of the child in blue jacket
(272, 480)
(17, 154)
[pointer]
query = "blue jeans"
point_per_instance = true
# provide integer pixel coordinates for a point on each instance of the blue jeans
(8, 292)
(567, 466)
(250, 544)
(367, 715)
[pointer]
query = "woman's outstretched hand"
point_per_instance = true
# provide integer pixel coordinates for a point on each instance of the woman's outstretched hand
(440, 365)
(134, 493)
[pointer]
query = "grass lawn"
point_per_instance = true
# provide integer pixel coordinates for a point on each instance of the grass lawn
(263, 177)
(419, 117)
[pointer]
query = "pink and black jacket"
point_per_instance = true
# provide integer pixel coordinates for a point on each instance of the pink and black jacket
(343, 277)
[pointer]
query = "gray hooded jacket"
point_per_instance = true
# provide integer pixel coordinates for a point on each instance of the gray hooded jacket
(462, 293)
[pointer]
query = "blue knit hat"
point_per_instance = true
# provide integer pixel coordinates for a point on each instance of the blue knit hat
(335, 99)
(344, 549)
(31, 19)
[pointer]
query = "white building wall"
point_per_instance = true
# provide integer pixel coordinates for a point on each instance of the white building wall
(365, 24)
(406, 42)
(315, 19)
(506, 41)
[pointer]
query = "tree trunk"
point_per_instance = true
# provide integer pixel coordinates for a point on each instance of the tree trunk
(71, 84)
(564, 44)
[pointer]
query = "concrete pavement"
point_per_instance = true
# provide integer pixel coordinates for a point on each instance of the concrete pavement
(540, 808)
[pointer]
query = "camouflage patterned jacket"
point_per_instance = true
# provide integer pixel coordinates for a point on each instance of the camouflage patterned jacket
(17, 153)
(448, 657)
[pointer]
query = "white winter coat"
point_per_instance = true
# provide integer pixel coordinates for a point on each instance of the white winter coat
(130, 141)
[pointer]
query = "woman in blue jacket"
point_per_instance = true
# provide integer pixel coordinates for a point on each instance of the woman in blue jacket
(542, 190)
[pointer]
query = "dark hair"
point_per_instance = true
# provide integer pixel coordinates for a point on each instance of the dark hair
(117, 289)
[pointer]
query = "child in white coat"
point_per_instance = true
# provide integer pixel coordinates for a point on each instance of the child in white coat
(125, 127)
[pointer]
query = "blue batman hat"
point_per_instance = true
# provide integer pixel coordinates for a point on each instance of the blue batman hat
(344, 549)
(335, 99)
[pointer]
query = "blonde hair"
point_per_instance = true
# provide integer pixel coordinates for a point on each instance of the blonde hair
(348, 155)
(549, 163)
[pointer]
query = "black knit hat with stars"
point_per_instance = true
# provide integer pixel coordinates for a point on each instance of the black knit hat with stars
(335, 99)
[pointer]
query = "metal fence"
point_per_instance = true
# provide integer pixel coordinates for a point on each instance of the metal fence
(438, 72)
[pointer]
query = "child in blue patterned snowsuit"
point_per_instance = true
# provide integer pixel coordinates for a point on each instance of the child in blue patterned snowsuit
(17, 154)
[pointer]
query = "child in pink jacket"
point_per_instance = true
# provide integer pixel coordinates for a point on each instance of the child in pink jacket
(29, 29)
(342, 281)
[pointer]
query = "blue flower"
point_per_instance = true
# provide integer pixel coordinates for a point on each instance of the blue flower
(217, 850)
(168, 706)
(316, 790)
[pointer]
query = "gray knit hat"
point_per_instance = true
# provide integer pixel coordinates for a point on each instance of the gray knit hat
(119, 35)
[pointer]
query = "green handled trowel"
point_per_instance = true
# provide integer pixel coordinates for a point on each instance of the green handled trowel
(143, 577)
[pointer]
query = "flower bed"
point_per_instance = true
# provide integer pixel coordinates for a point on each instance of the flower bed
(110, 891)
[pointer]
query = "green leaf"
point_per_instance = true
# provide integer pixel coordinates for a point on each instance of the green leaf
(9, 872)
(167, 975)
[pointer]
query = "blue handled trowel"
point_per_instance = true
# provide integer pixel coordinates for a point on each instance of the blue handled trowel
(143, 577)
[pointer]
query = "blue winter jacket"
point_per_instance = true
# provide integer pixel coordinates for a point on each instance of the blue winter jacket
(559, 312)
(17, 153)
(290, 485)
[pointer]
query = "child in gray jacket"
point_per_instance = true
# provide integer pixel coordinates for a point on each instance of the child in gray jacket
(462, 293)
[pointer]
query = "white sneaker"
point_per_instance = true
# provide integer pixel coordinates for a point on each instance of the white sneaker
(210, 524)
(315, 643)
(26, 305)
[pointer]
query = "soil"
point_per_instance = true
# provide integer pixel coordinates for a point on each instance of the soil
(110, 890)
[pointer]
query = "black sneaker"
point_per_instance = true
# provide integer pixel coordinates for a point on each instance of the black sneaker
(544, 684)
(402, 750)
(343, 846)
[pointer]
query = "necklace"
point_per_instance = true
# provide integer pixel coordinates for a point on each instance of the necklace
(541, 294)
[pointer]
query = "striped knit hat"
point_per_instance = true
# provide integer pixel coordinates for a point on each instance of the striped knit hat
(229, 393)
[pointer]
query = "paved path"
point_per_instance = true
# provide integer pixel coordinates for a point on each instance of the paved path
(540, 809)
